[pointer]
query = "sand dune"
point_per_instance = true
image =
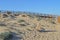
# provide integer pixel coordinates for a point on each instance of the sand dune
(30, 27)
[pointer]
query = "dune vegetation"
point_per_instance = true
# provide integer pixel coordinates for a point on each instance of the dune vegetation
(29, 26)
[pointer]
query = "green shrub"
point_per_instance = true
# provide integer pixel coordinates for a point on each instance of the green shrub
(6, 36)
(21, 21)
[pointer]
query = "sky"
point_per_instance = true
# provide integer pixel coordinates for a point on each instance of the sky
(38, 6)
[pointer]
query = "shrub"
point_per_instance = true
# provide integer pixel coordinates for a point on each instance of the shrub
(8, 12)
(53, 22)
(6, 36)
(22, 24)
(12, 17)
(31, 16)
(39, 18)
(2, 24)
(5, 15)
(21, 21)
(16, 14)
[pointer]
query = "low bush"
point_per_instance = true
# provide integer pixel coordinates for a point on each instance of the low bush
(2, 24)
(6, 36)
(21, 21)
(5, 15)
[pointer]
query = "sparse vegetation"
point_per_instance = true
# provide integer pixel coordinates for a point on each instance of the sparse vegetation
(28, 27)
(31, 16)
(2, 24)
(16, 14)
(53, 22)
(21, 21)
(22, 24)
(6, 36)
(9, 12)
(39, 18)
(5, 15)
(23, 15)
(12, 16)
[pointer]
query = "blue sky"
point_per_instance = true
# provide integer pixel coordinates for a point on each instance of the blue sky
(40, 6)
